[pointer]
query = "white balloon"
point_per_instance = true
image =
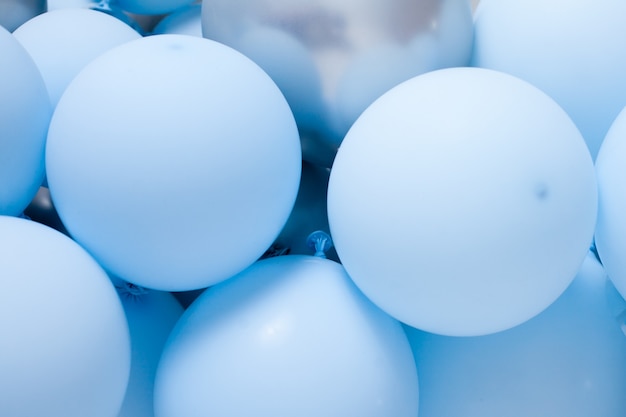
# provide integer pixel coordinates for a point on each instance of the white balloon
(463, 201)
(65, 342)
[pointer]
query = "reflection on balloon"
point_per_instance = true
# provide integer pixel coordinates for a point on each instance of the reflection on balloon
(151, 316)
(570, 360)
(462, 201)
(155, 184)
(328, 41)
(610, 235)
(571, 51)
(62, 42)
(289, 336)
(26, 112)
(65, 342)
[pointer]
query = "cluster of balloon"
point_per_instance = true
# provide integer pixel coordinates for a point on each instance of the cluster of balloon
(463, 201)
(552, 45)
(332, 59)
(570, 360)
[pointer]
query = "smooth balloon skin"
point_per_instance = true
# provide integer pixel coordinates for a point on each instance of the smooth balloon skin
(152, 7)
(185, 21)
(186, 181)
(462, 201)
(24, 119)
(570, 360)
(572, 51)
(63, 41)
(65, 342)
(610, 234)
(317, 46)
(14, 13)
(289, 336)
(151, 316)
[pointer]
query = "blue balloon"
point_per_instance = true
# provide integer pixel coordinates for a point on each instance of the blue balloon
(568, 361)
(571, 50)
(174, 160)
(289, 336)
(65, 348)
(151, 316)
(24, 119)
(184, 21)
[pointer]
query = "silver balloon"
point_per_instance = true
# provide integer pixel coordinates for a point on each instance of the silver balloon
(332, 58)
(13, 13)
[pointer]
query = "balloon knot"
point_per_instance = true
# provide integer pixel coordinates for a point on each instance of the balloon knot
(276, 250)
(319, 241)
(131, 291)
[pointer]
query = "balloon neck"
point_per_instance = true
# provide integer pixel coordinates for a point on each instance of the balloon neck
(320, 242)
(129, 290)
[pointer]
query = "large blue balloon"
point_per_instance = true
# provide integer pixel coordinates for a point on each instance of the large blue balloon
(24, 120)
(175, 160)
(65, 347)
(568, 361)
(571, 50)
(463, 201)
(289, 336)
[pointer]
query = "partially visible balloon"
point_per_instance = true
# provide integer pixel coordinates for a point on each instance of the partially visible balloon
(185, 21)
(463, 201)
(289, 336)
(14, 13)
(570, 360)
(323, 53)
(309, 215)
(151, 316)
(573, 51)
(24, 119)
(610, 235)
(63, 42)
(175, 160)
(152, 7)
(65, 342)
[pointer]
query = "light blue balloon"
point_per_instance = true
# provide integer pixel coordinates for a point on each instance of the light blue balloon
(151, 316)
(24, 119)
(151, 7)
(184, 21)
(571, 50)
(289, 336)
(65, 346)
(175, 160)
(610, 234)
(568, 361)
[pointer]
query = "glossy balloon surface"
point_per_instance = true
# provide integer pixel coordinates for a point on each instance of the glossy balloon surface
(463, 201)
(289, 336)
(65, 343)
(184, 184)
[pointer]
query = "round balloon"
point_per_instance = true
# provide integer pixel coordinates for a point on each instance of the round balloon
(63, 41)
(184, 21)
(326, 55)
(174, 160)
(151, 316)
(289, 336)
(610, 235)
(65, 343)
(463, 201)
(570, 360)
(562, 49)
(24, 119)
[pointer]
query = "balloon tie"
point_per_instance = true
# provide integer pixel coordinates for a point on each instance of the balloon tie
(131, 290)
(319, 241)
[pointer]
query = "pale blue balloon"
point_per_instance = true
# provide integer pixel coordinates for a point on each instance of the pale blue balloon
(24, 119)
(568, 361)
(65, 346)
(289, 336)
(184, 21)
(610, 235)
(462, 201)
(151, 316)
(175, 160)
(571, 50)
